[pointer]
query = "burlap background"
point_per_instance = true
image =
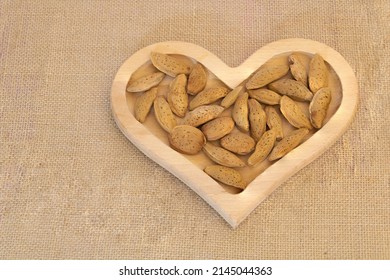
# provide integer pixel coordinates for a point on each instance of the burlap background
(73, 187)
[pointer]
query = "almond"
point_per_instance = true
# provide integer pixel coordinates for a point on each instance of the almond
(170, 65)
(218, 128)
(202, 114)
(319, 107)
(288, 143)
(226, 175)
(274, 121)
(318, 73)
(268, 72)
(164, 114)
(222, 156)
(240, 112)
(143, 104)
(177, 95)
(298, 69)
(265, 96)
(146, 82)
(208, 96)
(187, 139)
(293, 113)
(231, 97)
(197, 79)
(263, 147)
(257, 119)
(292, 88)
(238, 143)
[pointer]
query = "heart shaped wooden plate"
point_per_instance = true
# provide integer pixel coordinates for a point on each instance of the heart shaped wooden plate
(232, 205)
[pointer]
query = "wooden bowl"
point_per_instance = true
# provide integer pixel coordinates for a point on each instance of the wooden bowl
(233, 205)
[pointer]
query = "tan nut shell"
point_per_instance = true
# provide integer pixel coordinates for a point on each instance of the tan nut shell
(240, 112)
(263, 147)
(202, 114)
(231, 97)
(318, 73)
(169, 65)
(146, 82)
(293, 113)
(164, 114)
(238, 142)
(222, 156)
(292, 88)
(208, 96)
(274, 121)
(177, 95)
(268, 72)
(265, 96)
(319, 107)
(197, 79)
(187, 139)
(218, 128)
(143, 103)
(226, 175)
(288, 143)
(257, 119)
(298, 69)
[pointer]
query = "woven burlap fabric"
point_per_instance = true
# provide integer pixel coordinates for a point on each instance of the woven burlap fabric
(73, 187)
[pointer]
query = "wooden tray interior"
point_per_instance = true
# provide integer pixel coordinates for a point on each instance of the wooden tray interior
(201, 160)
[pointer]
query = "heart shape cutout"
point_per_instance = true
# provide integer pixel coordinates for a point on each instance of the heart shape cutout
(232, 206)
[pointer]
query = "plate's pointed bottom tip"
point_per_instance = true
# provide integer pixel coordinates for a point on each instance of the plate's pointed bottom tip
(234, 226)
(233, 222)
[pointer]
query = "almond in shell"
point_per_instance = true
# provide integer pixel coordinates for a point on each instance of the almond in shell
(263, 147)
(146, 82)
(274, 121)
(231, 97)
(187, 139)
(218, 128)
(319, 107)
(226, 175)
(298, 69)
(177, 95)
(240, 112)
(293, 113)
(292, 88)
(257, 119)
(208, 96)
(222, 156)
(202, 114)
(268, 72)
(143, 104)
(265, 96)
(169, 65)
(318, 73)
(288, 143)
(197, 79)
(164, 114)
(238, 143)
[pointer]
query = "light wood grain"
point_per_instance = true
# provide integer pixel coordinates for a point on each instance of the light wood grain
(234, 207)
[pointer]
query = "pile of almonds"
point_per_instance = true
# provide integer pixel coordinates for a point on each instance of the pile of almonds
(191, 113)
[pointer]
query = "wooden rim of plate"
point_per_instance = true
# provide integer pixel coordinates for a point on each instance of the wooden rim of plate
(234, 208)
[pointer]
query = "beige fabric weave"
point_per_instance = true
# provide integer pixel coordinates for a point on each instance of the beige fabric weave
(73, 187)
